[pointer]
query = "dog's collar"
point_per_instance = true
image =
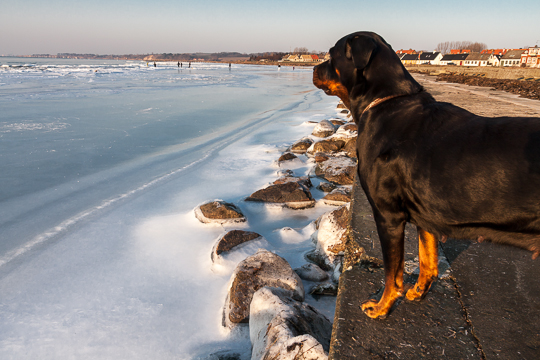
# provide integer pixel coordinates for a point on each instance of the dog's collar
(377, 102)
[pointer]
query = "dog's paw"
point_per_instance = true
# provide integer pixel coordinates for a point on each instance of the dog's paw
(415, 293)
(374, 310)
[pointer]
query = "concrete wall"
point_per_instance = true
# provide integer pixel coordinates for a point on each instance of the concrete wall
(490, 72)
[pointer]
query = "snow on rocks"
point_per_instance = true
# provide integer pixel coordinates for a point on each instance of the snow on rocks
(302, 180)
(291, 194)
(262, 269)
(283, 328)
(219, 212)
(301, 145)
(264, 290)
(348, 128)
(331, 237)
(312, 272)
(231, 240)
(324, 129)
(339, 170)
(338, 196)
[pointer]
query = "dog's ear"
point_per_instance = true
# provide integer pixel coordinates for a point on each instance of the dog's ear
(359, 49)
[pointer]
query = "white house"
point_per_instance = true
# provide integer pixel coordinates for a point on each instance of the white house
(512, 58)
(429, 58)
(477, 59)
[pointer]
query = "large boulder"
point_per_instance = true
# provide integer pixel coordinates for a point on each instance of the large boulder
(257, 271)
(231, 240)
(301, 145)
(219, 212)
(339, 170)
(287, 156)
(337, 122)
(327, 146)
(302, 180)
(338, 196)
(283, 328)
(347, 131)
(331, 237)
(320, 157)
(324, 129)
(350, 147)
(291, 194)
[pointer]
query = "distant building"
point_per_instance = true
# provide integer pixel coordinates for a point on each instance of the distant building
(291, 58)
(494, 51)
(512, 57)
(478, 59)
(401, 52)
(429, 58)
(531, 57)
(409, 59)
(454, 59)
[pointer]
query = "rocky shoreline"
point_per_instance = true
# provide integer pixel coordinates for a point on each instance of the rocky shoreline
(266, 295)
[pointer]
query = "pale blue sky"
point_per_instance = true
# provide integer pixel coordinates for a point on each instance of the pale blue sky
(136, 26)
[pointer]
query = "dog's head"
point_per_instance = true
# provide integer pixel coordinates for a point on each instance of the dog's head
(363, 67)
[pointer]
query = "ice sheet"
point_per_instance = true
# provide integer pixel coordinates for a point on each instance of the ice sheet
(113, 264)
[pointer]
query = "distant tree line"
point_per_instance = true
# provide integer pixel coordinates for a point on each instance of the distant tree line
(445, 47)
(272, 56)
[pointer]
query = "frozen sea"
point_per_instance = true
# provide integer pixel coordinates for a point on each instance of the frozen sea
(101, 166)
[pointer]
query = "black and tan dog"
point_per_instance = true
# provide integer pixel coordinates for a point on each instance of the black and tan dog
(435, 165)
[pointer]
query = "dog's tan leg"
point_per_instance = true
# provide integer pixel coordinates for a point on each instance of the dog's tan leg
(392, 243)
(429, 261)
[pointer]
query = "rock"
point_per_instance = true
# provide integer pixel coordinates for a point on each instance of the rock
(318, 259)
(301, 145)
(350, 127)
(232, 239)
(219, 212)
(287, 156)
(350, 148)
(339, 196)
(348, 130)
(337, 122)
(328, 146)
(326, 186)
(324, 129)
(282, 328)
(320, 157)
(330, 289)
(341, 106)
(339, 170)
(311, 272)
(331, 237)
(344, 112)
(291, 194)
(257, 271)
(302, 180)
